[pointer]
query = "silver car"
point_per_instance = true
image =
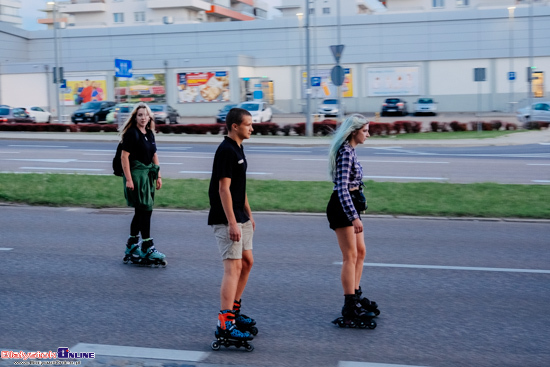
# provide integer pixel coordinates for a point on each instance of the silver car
(329, 107)
(425, 106)
(540, 111)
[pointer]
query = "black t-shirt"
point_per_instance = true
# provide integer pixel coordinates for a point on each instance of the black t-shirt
(141, 146)
(229, 162)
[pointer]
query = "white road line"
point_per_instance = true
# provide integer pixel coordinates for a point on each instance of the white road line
(64, 169)
(39, 146)
(428, 162)
(248, 173)
(536, 155)
(310, 159)
(409, 178)
(10, 152)
(98, 154)
(173, 164)
(538, 164)
(278, 151)
(48, 160)
(442, 267)
(541, 181)
(369, 364)
(183, 156)
(5, 249)
(139, 352)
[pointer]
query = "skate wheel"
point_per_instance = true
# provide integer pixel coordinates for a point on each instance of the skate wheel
(126, 260)
(361, 325)
(215, 345)
(249, 347)
(372, 325)
(164, 263)
(341, 323)
(254, 330)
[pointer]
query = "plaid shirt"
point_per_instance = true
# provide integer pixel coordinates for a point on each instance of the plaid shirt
(348, 175)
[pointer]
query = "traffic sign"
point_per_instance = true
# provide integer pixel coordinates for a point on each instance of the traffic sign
(123, 68)
(337, 75)
(315, 81)
(511, 75)
(337, 52)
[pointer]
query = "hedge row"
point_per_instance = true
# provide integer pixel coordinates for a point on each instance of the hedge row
(323, 128)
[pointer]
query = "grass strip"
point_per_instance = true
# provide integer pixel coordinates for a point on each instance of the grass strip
(424, 198)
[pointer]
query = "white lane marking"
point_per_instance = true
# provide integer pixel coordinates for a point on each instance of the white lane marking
(175, 148)
(10, 152)
(544, 143)
(277, 151)
(49, 160)
(183, 156)
(371, 161)
(140, 352)
(39, 146)
(538, 164)
(541, 155)
(64, 169)
(369, 364)
(248, 173)
(408, 178)
(97, 154)
(383, 148)
(310, 159)
(541, 181)
(174, 163)
(443, 267)
(5, 249)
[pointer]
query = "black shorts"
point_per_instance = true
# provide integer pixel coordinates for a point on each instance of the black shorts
(335, 213)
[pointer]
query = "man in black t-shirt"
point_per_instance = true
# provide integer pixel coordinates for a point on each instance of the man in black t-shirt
(231, 219)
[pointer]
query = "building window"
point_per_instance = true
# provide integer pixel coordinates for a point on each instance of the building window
(311, 11)
(438, 3)
(462, 3)
(326, 10)
(117, 1)
(139, 16)
(9, 10)
(119, 17)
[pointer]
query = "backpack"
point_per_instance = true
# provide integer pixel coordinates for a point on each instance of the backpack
(117, 163)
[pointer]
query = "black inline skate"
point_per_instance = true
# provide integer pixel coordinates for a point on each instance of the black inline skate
(367, 304)
(227, 333)
(243, 322)
(354, 315)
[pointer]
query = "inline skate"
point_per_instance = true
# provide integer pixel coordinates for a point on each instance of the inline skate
(149, 256)
(132, 253)
(354, 315)
(227, 333)
(367, 304)
(243, 322)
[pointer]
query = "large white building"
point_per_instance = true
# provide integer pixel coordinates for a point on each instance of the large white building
(117, 13)
(9, 12)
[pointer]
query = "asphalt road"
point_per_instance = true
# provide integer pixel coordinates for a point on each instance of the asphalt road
(516, 164)
(451, 292)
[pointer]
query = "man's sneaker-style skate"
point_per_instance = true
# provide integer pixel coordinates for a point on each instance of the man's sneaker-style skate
(242, 321)
(150, 256)
(227, 333)
(133, 251)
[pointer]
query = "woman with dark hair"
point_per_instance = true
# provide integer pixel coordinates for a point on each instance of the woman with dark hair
(343, 209)
(140, 164)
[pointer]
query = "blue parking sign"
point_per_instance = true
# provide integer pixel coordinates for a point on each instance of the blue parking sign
(315, 81)
(511, 75)
(123, 68)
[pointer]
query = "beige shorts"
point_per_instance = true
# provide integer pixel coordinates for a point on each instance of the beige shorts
(233, 249)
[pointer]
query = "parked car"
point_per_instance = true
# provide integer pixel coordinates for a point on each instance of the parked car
(260, 111)
(425, 106)
(13, 115)
(220, 117)
(94, 111)
(164, 114)
(119, 113)
(539, 112)
(329, 107)
(394, 105)
(39, 114)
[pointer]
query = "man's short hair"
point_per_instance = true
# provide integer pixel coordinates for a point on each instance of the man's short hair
(235, 116)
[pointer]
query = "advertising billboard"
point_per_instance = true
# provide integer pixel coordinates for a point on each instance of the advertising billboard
(81, 89)
(203, 87)
(395, 81)
(325, 88)
(149, 88)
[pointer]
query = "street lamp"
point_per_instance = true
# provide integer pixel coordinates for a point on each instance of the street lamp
(300, 17)
(309, 124)
(511, 27)
(57, 74)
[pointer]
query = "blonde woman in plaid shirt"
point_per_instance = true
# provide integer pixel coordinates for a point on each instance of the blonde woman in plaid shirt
(343, 215)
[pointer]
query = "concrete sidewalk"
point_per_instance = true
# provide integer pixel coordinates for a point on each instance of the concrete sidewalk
(520, 138)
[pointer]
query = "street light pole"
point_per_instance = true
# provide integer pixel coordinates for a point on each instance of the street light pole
(309, 125)
(511, 27)
(530, 91)
(57, 74)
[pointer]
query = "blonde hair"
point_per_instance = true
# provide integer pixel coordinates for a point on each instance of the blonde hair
(131, 121)
(342, 134)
